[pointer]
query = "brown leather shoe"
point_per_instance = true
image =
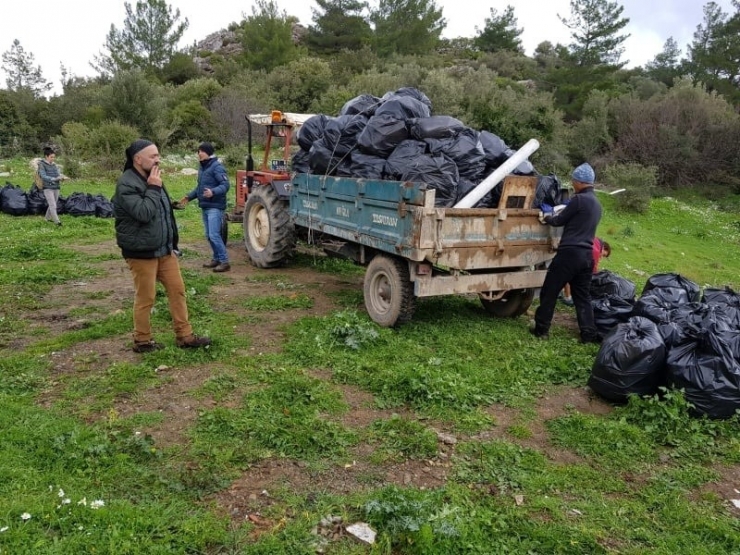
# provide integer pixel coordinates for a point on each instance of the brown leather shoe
(223, 267)
(147, 347)
(193, 342)
(211, 264)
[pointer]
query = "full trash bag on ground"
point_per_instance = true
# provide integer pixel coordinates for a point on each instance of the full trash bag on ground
(103, 207)
(13, 200)
(36, 201)
(706, 368)
(630, 361)
(657, 304)
(608, 284)
(609, 312)
(659, 281)
(80, 204)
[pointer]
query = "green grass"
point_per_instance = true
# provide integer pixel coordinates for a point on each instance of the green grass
(645, 477)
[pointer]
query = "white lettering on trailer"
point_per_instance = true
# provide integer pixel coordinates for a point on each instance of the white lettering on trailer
(342, 211)
(311, 204)
(385, 220)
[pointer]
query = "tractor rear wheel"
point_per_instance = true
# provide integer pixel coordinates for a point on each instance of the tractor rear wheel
(388, 291)
(269, 234)
(514, 303)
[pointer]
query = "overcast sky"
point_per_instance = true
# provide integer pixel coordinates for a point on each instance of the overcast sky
(71, 32)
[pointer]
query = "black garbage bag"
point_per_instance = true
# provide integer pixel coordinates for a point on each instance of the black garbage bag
(489, 200)
(80, 204)
(608, 284)
(13, 200)
(300, 162)
(36, 201)
(658, 304)
(411, 92)
(403, 108)
(311, 131)
(494, 148)
(701, 316)
(61, 205)
(549, 191)
(323, 160)
(465, 150)
(103, 207)
(673, 333)
(382, 134)
(439, 173)
(693, 291)
(435, 127)
(367, 165)
(403, 156)
(727, 299)
(609, 312)
(364, 104)
(630, 361)
(340, 133)
(707, 369)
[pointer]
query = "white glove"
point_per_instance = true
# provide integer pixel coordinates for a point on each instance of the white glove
(543, 216)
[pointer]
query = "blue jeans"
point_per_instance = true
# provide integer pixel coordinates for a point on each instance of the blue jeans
(212, 218)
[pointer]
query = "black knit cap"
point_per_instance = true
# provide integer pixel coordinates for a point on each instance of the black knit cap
(137, 146)
(207, 148)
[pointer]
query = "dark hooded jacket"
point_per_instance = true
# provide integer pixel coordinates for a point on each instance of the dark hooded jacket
(145, 221)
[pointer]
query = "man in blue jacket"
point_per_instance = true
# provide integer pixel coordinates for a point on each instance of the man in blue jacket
(213, 184)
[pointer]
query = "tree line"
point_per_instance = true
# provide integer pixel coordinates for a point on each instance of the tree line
(675, 114)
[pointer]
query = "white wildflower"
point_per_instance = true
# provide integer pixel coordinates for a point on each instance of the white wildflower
(26, 516)
(66, 501)
(4, 529)
(83, 501)
(97, 504)
(61, 492)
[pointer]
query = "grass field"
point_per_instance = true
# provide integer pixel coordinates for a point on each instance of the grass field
(456, 433)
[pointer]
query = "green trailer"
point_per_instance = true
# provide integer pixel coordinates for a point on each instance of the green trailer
(410, 248)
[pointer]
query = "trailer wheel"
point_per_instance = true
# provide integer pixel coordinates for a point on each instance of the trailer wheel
(269, 234)
(514, 303)
(224, 229)
(388, 291)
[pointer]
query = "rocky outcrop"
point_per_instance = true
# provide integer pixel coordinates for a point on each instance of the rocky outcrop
(226, 44)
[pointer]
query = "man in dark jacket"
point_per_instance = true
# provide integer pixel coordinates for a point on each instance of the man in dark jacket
(574, 260)
(213, 184)
(146, 232)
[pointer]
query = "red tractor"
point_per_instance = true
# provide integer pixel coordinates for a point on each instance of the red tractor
(262, 194)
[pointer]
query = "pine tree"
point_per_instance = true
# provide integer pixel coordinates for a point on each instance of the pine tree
(407, 26)
(500, 32)
(595, 27)
(339, 25)
(22, 74)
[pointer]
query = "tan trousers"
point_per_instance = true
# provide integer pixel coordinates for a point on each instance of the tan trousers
(52, 197)
(146, 273)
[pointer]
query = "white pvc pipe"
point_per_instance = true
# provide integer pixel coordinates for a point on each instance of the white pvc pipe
(499, 173)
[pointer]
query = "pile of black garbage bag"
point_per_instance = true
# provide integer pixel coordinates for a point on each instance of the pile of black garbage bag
(397, 138)
(673, 336)
(17, 202)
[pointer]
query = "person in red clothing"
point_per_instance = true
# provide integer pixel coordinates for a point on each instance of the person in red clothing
(601, 249)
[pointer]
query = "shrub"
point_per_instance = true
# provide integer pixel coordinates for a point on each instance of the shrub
(639, 182)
